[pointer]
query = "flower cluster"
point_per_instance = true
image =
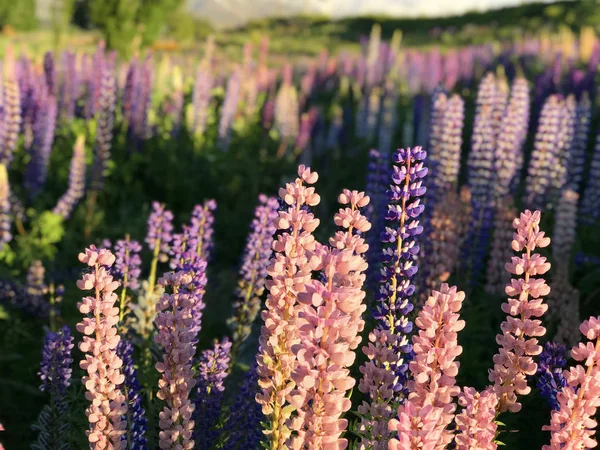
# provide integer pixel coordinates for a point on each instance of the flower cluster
(253, 272)
(329, 323)
(583, 117)
(290, 272)
(476, 425)
(65, 205)
(514, 361)
(550, 379)
(160, 227)
(55, 368)
(128, 262)
(212, 371)
(450, 148)
(11, 103)
(572, 425)
(173, 322)
(229, 109)
(429, 409)
(385, 372)
(101, 364)
(5, 210)
(590, 203)
(496, 276)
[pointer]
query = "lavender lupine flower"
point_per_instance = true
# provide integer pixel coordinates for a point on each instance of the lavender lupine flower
(385, 372)
(132, 79)
(550, 379)
(377, 178)
(50, 73)
(136, 415)
(55, 373)
(5, 219)
(128, 263)
(558, 172)
(253, 272)
(229, 109)
(578, 148)
(65, 205)
(448, 167)
(94, 80)
(543, 157)
(500, 102)
(43, 137)
(481, 157)
(142, 102)
(509, 144)
(439, 101)
(69, 88)
(201, 228)
(160, 228)
(105, 117)
(245, 416)
(11, 119)
(212, 371)
(590, 203)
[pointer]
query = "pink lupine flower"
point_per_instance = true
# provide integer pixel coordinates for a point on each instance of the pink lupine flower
(329, 321)
(514, 361)
(103, 366)
(572, 426)
(476, 424)
(434, 369)
(175, 335)
(290, 272)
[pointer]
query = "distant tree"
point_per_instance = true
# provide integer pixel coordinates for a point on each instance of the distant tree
(122, 21)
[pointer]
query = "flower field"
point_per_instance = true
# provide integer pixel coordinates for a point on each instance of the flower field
(395, 248)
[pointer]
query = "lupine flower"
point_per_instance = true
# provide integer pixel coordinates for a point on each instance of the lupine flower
(513, 132)
(439, 101)
(290, 272)
(550, 379)
(36, 288)
(329, 321)
(11, 101)
(65, 205)
(130, 90)
(449, 223)
(212, 371)
(55, 373)
(496, 276)
(253, 272)
(514, 361)
(142, 100)
(201, 227)
(579, 144)
(543, 157)
(50, 73)
(43, 137)
(245, 416)
(5, 217)
(572, 425)
(128, 263)
(476, 426)
(177, 381)
(136, 415)
(69, 88)
(590, 203)
(500, 102)
(450, 147)
(287, 109)
(100, 340)
(559, 170)
(434, 368)
(201, 96)
(105, 116)
(229, 109)
(160, 227)
(384, 374)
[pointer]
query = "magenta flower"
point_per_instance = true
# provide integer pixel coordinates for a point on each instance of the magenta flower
(103, 366)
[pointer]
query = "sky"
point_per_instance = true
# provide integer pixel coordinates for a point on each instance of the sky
(408, 7)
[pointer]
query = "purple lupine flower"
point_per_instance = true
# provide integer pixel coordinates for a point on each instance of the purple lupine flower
(500, 101)
(128, 263)
(50, 73)
(69, 88)
(481, 157)
(451, 145)
(201, 228)
(439, 102)
(434, 71)
(76, 189)
(141, 129)
(510, 140)
(550, 379)
(558, 172)
(377, 178)
(55, 373)
(136, 415)
(11, 120)
(130, 91)
(95, 80)
(201, 96)
(385, 373)
(55, 368)
(543, 157)
(253, 271)
(245, 416)
(5, 210)
(43, 137)
(467, 63)
(212, 371)
(105, 119)
(578, 148)
(268, 113)
(229, 109)
(590, 203)
(160, 228)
